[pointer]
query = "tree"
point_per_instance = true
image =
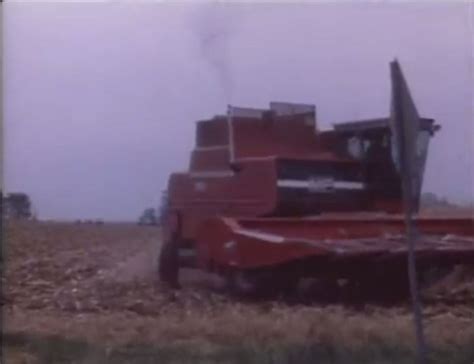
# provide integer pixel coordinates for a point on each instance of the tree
(429, 199)
(17, 205)
(148, 217)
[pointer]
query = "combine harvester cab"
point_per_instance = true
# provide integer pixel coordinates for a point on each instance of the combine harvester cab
(269, 198)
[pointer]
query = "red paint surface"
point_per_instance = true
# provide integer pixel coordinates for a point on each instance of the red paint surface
(245, 189)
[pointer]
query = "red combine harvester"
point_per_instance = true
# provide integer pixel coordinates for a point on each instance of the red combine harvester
(269, 198)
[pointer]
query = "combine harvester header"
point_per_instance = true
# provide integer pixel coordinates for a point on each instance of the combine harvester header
(269, 198)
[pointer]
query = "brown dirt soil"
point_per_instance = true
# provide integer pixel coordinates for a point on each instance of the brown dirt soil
(97, 283)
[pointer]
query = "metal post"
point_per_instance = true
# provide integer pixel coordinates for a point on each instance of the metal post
(405, 123)
(230, 126)
(412, 276)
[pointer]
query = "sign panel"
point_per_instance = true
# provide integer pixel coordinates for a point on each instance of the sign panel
(405, 126)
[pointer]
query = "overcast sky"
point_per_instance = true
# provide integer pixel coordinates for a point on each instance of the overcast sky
(101, 99)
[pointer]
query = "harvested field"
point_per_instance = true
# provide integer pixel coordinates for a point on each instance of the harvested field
(87, 294)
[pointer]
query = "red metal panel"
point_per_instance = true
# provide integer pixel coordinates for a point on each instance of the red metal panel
(250, 192)
(212, 159)
(256, 243)
(220, 244)
(248, 187)
(347, 226)
(288, 136)
(212, 132)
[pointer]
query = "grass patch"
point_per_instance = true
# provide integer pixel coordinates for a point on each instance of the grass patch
(57, 350)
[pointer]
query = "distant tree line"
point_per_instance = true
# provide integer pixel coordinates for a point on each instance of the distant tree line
(16, 205)
(89, 221)
(152, 216)
(431, 200)
(148, 217)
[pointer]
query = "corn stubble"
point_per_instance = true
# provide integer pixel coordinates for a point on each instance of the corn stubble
(96, 285)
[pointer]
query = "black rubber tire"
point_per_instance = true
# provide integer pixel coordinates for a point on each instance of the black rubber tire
(168, 264)
(388, 288)
(234, 280)
(430, 276)
(287, 289)
(325, 290)
(261, 285)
